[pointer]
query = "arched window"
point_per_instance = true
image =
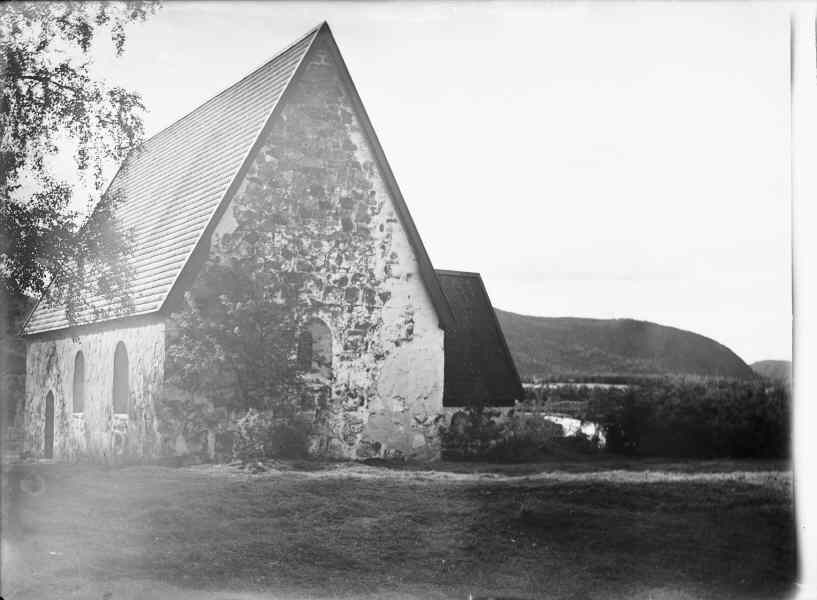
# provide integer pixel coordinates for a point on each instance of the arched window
(121, 389)
(79, 383)
(315, 349)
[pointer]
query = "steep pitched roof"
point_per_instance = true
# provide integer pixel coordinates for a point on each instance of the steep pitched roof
(479, 368)
(174, 188)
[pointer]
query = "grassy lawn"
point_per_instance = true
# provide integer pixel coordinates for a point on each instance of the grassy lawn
(600, 529)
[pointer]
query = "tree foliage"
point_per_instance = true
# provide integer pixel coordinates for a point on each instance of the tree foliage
(234, 340)
(676, 417)
(49, 101)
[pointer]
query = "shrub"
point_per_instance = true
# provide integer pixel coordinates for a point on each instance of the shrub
(260, 435)
(290, 439)
(478, 433)
(696, 419)
(526, 437)
(471, 433)
(191, 416)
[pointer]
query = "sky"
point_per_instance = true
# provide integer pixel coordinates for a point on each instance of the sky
(606, 160)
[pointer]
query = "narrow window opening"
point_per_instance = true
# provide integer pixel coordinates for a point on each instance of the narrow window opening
(79, 383)
(121, 388)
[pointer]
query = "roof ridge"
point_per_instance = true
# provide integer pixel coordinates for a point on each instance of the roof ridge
(261, 67)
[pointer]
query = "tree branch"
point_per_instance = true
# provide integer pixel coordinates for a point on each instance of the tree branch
(48, 81)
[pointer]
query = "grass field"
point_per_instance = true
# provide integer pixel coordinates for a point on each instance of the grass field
(602, 529)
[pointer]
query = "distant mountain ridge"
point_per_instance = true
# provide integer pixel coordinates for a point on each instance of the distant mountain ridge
(777, 370)
(546, 346)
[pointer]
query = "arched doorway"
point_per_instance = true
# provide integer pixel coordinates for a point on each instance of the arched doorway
(49, 425)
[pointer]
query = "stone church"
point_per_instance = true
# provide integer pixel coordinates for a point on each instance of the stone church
(400, 344)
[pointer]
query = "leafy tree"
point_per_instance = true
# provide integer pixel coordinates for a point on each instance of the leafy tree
(49, 96)
(49, 100)
(234, 339)
(234, 343)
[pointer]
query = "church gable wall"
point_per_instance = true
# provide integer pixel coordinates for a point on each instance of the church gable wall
(358, 272)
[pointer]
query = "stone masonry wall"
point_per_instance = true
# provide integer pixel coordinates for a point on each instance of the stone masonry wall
(96, 433)
(344, 241)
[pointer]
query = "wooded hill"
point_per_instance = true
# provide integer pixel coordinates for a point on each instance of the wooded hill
(547, 346)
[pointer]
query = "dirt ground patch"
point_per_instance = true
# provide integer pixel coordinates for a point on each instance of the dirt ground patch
(348, 530)
(775, 478)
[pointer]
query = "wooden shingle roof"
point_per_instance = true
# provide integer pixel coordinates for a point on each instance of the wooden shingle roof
(173, 188)
(479, 368)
